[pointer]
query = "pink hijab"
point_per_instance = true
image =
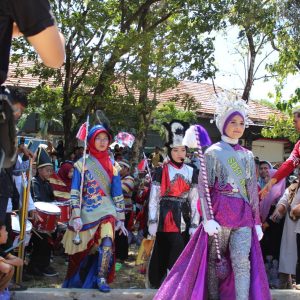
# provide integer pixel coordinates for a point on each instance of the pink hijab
(272, 197)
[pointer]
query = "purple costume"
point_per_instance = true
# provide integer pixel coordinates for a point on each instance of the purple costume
(235, 207)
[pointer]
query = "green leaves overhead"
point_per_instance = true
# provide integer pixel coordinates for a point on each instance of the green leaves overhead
(144, 46)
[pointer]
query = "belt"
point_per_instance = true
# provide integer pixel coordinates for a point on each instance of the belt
(173, 199)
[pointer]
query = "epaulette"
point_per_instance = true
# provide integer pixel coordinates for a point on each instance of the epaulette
(79, 163)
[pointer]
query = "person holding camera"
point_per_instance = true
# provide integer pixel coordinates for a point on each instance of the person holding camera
(32, 19)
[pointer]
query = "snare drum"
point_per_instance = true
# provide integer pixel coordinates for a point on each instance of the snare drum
(15, 225)
(65, 211)
(50, 213)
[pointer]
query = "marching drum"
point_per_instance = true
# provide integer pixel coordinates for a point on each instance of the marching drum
(65, 211)
(50, 214)
(15, 225)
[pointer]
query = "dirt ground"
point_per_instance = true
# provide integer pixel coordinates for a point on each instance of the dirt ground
(128, 277)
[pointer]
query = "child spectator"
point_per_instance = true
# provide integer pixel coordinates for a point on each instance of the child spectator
(7, 264)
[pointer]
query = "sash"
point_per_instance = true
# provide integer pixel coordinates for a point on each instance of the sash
(233, 164)
(99, 174)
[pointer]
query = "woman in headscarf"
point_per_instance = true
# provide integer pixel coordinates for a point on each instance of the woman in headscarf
(232, 219)
(61, 182)
(101, 212)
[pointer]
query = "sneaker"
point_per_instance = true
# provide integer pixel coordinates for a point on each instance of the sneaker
(102, 285)
(49, 272)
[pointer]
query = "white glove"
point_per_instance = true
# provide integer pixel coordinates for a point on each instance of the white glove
(152, 228)
(192, 231)
(259, 232)
(211, 227)
(77, 224)
(120, 226)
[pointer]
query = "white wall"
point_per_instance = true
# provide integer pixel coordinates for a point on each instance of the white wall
(272, 151)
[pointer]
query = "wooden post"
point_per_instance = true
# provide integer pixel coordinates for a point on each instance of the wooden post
(23, 215)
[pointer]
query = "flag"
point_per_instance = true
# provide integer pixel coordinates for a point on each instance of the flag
(142, 165)
(124, 138)
(81, 134)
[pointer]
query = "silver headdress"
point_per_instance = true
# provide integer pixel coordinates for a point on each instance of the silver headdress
(226, 104)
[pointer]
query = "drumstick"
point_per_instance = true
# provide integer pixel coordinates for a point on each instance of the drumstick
(13, 247)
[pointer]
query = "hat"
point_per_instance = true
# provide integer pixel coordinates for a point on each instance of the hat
(94, 131)
(124, 162)
(228, 105)
(175, 133)
(42, 158)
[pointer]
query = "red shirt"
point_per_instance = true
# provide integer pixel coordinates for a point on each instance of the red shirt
(290, 164)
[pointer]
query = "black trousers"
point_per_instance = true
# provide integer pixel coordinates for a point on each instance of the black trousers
(9, 241)
(41, 251)
(270, 243)
(3, 207)
(167, 248)
(298, 260)
(121, 241)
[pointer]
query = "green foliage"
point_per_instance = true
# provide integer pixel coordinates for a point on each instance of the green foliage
(47, 102)
(144, 46)
(280, 128)
(287, 42)
(167, 112)
(283, 127)
(268, 103)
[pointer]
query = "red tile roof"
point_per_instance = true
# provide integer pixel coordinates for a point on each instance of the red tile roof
(201, 92)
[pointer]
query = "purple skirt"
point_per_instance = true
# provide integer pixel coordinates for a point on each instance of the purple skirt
(187, 278)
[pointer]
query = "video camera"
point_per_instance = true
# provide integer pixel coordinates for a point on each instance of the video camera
(8, 137)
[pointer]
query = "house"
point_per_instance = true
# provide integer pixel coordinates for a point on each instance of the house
(201, 95)
(273, 150)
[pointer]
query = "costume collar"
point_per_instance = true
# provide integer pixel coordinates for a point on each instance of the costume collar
(229, 140)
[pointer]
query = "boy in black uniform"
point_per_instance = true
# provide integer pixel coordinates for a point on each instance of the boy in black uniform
(41, 191)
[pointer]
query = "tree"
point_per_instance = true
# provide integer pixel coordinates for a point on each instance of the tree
(256, 20)
(283, 127)
(147, 45)
(167, 112)
(286, 42)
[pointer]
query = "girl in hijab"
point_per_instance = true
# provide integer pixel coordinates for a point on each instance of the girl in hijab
(231, 219)
(96, 218)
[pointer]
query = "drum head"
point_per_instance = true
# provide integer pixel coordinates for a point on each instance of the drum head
(15, 224)
(47, 207)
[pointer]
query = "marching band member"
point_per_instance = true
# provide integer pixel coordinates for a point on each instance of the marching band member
(127, 181)
(41, 191)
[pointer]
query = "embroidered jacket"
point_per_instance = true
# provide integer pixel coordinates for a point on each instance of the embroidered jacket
(102, 196)
(230, 207)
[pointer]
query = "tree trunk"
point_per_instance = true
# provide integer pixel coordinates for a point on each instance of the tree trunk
(249, 81)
